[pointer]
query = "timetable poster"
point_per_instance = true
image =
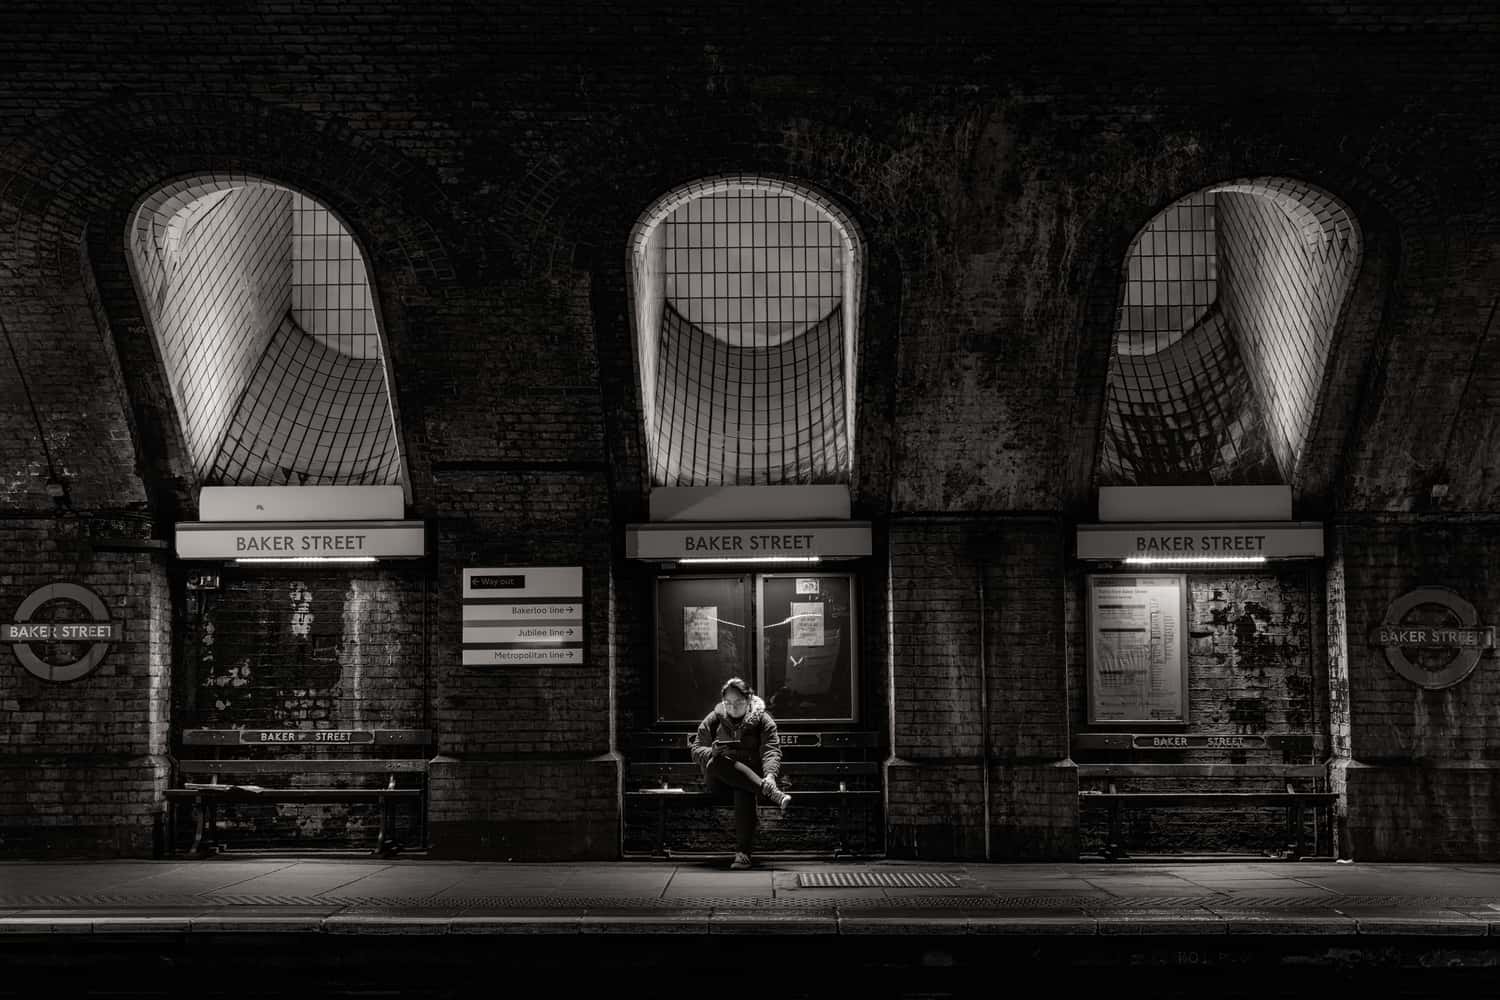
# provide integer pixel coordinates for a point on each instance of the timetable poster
(1137, 662)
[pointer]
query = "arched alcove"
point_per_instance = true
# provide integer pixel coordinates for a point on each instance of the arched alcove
(746, 294)
(1231, 297)
(259, 300)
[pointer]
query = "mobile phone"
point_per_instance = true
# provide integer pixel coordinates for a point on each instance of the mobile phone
(726, 743)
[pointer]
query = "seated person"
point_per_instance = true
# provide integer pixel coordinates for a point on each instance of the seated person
(737, 749)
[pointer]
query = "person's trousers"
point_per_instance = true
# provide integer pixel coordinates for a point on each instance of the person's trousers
(741, 779)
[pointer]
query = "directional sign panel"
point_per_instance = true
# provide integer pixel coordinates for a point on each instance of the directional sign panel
(522, 616)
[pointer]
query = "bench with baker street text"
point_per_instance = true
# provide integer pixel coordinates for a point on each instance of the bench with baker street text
(384, 767)
(1283, 776)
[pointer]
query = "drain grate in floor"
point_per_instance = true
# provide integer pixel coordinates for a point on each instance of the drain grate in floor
(877, 880)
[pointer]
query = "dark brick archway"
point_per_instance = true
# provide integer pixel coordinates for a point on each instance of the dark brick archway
(68, 194)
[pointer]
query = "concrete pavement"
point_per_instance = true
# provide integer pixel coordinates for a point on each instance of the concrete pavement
(354, 895)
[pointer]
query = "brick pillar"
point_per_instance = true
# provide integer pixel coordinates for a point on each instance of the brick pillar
(84, 761)
(1414, 763)
(942, 571)
(526, 767)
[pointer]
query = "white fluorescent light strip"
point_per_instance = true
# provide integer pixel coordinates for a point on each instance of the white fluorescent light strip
(306, 559)
(1198, 560)
(753, 559)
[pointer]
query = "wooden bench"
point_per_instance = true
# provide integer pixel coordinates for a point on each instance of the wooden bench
(1282, 774)
(207, 795)
(816, 768)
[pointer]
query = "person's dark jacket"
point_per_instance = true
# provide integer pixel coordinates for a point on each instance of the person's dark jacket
(758, 744)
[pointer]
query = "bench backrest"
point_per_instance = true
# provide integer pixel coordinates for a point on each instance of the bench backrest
(836, 740)
(323, 738)
(1167, 742)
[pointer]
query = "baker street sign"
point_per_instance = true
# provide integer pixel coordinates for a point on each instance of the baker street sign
(1433, 637)
(49, 648)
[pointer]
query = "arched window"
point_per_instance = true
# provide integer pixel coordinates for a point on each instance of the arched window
(261, 306)
(746, 293)
(1231, 298)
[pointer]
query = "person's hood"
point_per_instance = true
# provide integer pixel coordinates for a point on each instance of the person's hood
(757, 708)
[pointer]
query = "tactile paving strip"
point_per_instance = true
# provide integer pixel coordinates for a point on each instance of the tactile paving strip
(876, 880)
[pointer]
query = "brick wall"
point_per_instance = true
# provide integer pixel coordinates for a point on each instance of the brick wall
(82, 763)
(1421, 779)
(526, 763)
(997, 187)
(935, 794)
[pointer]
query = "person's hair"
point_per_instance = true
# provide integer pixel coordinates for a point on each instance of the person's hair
(738, 685)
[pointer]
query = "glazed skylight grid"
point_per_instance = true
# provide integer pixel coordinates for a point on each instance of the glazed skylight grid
(214, 289)
(1229, 304)
(743, 415)
(311, 416)
(749, 383)
(751, 267)
(330, 289)
(1171, 277)
(261, 304)
(1182, 414)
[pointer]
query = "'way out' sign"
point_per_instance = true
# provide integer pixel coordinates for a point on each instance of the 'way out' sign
(523, 616)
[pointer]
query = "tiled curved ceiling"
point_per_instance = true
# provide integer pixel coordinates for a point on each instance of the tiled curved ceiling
(745, 293)
(1231, 299)
(260, 303)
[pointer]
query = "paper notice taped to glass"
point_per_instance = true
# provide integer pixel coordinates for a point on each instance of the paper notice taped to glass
(700, 628)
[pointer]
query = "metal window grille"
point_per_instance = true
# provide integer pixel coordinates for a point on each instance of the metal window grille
(261, 304)
(310, 416)
(750, 366)
(1230, 297)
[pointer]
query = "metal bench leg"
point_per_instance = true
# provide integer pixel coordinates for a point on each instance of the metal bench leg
(203, 826)
(1115, 848)
(661, 830)
(1294, 840)
(200, 808)
(841, 846)
(386, 844)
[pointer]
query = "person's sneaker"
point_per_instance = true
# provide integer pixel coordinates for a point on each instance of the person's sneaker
(782, 799)
(741, 861)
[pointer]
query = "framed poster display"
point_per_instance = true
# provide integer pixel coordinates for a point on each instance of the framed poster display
(1137, 656)
(704, 636)
(807, 630)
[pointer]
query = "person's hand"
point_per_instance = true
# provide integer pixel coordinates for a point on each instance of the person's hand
(768, 785)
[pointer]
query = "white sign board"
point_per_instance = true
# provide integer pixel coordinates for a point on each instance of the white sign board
(1137, 653)
(1200, 542)
(301, 503)
(760, 541)
(522, 616)
(301, 540)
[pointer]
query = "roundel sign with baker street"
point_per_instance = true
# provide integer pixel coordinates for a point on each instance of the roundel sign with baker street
(1433, 637)
(61, 632)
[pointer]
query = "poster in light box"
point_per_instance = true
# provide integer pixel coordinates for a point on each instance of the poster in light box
(1137, 660)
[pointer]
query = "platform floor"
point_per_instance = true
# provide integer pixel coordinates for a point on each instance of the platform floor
(242, 925)
(346, 893)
